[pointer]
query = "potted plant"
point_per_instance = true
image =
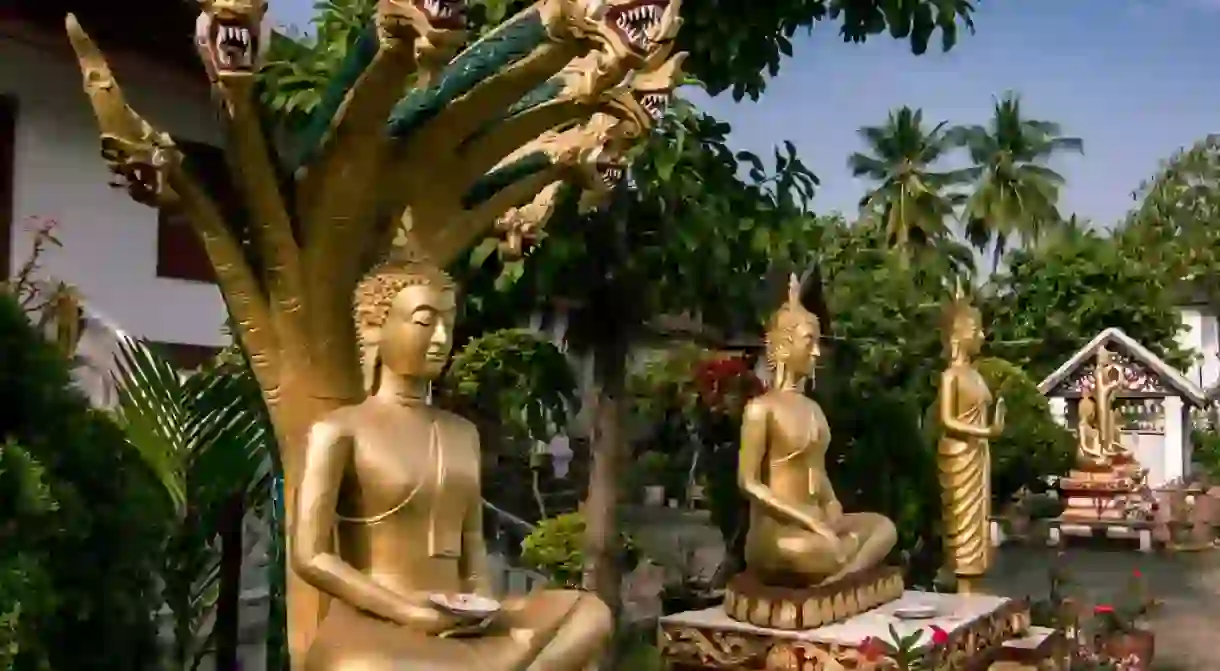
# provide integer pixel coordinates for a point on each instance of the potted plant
(555, 549)
(1119, 631)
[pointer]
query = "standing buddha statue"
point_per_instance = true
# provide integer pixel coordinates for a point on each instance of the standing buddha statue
(1106, 381)
(389, 519)
(963, 457)
(807, 561)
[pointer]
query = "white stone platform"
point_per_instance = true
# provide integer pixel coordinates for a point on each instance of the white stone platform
(1119, 530)
(957, 610)
(705, 639)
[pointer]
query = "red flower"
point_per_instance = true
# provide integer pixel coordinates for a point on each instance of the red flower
(871, 649)
(1102, 609)
(1137, 573)
(939, 636)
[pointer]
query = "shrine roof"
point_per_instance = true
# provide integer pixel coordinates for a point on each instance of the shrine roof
(1129, 346)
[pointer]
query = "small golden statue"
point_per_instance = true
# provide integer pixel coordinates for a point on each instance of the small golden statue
(1106, 381)
(1091, 455)
(807, 562)
(963, 457)
(390, 519)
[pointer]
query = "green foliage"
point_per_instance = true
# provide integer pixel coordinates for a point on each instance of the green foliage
(1206, 443)
(26, 502)
(82, 519)
(689, 236)
(740, 55)
(555, 548)
(1176, 225)
(1014, 192)
(515, 378)
(208, 440)
(300, 69)
(880, 363)
(1052, 300)
(1032, 445)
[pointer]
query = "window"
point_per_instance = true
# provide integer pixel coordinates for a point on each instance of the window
(180, 253)
(8, 128)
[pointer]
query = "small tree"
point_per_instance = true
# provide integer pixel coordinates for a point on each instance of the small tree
(1052, 300)
(81, 512)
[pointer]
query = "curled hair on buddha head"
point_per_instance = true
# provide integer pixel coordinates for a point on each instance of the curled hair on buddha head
(402, 267)
(783, 324)
(956, 312)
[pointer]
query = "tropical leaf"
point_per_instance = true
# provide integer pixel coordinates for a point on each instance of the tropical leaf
(207, 438)
(152, 411)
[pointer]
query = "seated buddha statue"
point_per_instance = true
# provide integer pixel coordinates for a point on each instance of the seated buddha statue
(1091, 455)
(389, 516)
(798, 534)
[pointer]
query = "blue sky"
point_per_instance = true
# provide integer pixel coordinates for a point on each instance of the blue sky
(1134, 78)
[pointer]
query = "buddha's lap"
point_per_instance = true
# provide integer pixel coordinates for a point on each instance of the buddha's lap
(350, 640)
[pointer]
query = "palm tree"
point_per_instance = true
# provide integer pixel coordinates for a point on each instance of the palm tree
(207, 439)
(911, 200)
(1014, 193)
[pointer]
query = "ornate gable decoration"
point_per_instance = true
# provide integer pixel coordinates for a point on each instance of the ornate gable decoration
(1136, 378)
(1143, 373)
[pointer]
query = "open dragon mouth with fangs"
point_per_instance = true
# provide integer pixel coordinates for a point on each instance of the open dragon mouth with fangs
(634, 21)
(610, 173)
(233, 46)
(445, 14)
(654, 103)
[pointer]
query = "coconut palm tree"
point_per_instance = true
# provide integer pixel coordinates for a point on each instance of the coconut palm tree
(1014, 193)
(912, 200)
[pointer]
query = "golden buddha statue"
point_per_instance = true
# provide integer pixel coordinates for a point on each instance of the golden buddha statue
(1091, 455)
(963, 456)
(389, 519)
(798, 533)
(1106, 381)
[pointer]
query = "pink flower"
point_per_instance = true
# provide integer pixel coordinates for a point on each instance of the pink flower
(871, 649)
(939, 636)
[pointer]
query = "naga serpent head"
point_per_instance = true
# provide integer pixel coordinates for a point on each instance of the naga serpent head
(601, 160)
(437, 27)
(139, 167)
(135, 153)
(231, 38)
(642, 101)
(628, 30)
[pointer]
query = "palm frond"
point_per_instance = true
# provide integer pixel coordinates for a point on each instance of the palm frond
(153, 413)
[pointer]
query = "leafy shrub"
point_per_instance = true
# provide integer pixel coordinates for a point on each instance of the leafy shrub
(1033, 445)
(555, 548)
(85, 519)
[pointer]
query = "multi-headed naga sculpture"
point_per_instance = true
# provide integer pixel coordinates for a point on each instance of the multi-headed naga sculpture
(455, 144)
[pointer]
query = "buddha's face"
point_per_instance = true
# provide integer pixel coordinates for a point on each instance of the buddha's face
(417, 336)
(969, 334)
(801, 352)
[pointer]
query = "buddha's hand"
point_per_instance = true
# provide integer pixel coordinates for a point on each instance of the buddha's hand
(426, 618)
(834, 513)
(997, 423)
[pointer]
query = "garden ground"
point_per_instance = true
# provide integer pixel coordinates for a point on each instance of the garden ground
(1187, 584)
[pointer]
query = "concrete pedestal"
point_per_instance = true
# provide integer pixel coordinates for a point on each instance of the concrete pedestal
(978, 627)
